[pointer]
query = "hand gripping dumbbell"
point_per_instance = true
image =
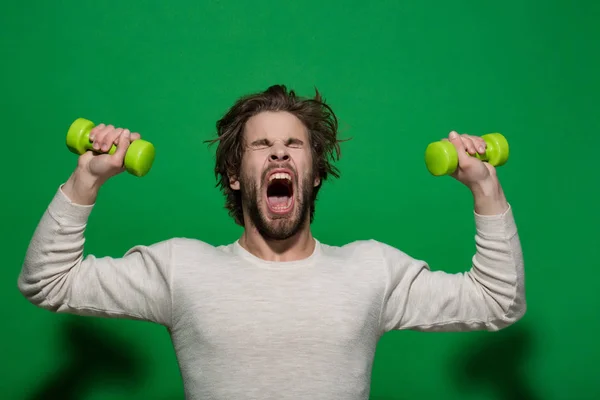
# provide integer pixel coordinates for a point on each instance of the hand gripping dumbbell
(138, 159)
(441, 157)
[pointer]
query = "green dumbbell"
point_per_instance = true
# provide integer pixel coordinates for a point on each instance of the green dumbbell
(138, 159)
(441, 157)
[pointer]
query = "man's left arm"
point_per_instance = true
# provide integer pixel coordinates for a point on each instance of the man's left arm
(489, 296)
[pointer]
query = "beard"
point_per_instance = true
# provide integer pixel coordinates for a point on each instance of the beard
(277, 227)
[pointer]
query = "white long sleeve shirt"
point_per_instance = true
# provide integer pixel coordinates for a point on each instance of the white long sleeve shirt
(245, 328)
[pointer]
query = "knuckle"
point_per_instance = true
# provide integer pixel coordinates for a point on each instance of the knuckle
(96, 129)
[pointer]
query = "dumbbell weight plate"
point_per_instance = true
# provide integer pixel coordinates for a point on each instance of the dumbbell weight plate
(441, 158)
(139, 157)
(497, 150)
(78, 140)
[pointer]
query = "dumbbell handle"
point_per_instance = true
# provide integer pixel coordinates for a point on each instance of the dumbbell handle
(441, 157)
(138, 159)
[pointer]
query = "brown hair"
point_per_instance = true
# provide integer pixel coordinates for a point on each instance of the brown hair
(316, 116)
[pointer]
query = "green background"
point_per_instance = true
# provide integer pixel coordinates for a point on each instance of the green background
(399, 74)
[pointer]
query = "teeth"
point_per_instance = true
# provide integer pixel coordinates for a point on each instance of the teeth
(280, 175)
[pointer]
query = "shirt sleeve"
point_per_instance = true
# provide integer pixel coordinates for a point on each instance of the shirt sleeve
(58, 277)
(489, 296)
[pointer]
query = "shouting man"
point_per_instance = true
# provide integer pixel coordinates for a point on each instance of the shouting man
(276, 314)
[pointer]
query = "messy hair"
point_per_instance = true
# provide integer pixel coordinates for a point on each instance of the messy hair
(318, 118)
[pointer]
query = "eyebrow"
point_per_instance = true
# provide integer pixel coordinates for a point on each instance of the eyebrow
(267, 142)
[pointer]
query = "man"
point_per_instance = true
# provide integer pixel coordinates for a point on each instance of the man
(276, 314)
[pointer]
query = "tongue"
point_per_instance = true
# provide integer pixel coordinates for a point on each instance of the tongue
(278, 201)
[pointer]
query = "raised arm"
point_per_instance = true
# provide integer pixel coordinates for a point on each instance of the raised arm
(57, 276)
(490, 295)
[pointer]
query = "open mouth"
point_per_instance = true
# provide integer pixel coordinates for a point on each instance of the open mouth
(280, 191)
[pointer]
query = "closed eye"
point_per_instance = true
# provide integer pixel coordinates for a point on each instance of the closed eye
(292, 142)
(262, 143)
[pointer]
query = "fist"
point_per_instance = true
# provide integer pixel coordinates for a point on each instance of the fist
(99, 163)
(470, 171)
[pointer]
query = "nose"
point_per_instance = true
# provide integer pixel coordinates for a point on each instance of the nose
(279, 153)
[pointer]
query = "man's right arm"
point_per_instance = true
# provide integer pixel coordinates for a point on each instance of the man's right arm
(57, 276)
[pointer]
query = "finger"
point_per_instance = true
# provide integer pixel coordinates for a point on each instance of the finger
(122, 145)
(110, 138)
(100, 134)
(95, 130)
(468, 143)
(480, 144)
(456, 140)
(126, 132)
(135, 136)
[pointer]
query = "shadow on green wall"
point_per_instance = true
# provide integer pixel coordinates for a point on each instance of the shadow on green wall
(92, 358)
(498, 361)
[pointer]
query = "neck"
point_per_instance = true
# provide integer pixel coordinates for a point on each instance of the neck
(297, 247)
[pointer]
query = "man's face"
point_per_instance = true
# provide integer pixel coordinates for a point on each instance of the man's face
(276, 179)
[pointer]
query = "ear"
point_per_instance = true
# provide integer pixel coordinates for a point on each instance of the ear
(234, 183)
(317, 181)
